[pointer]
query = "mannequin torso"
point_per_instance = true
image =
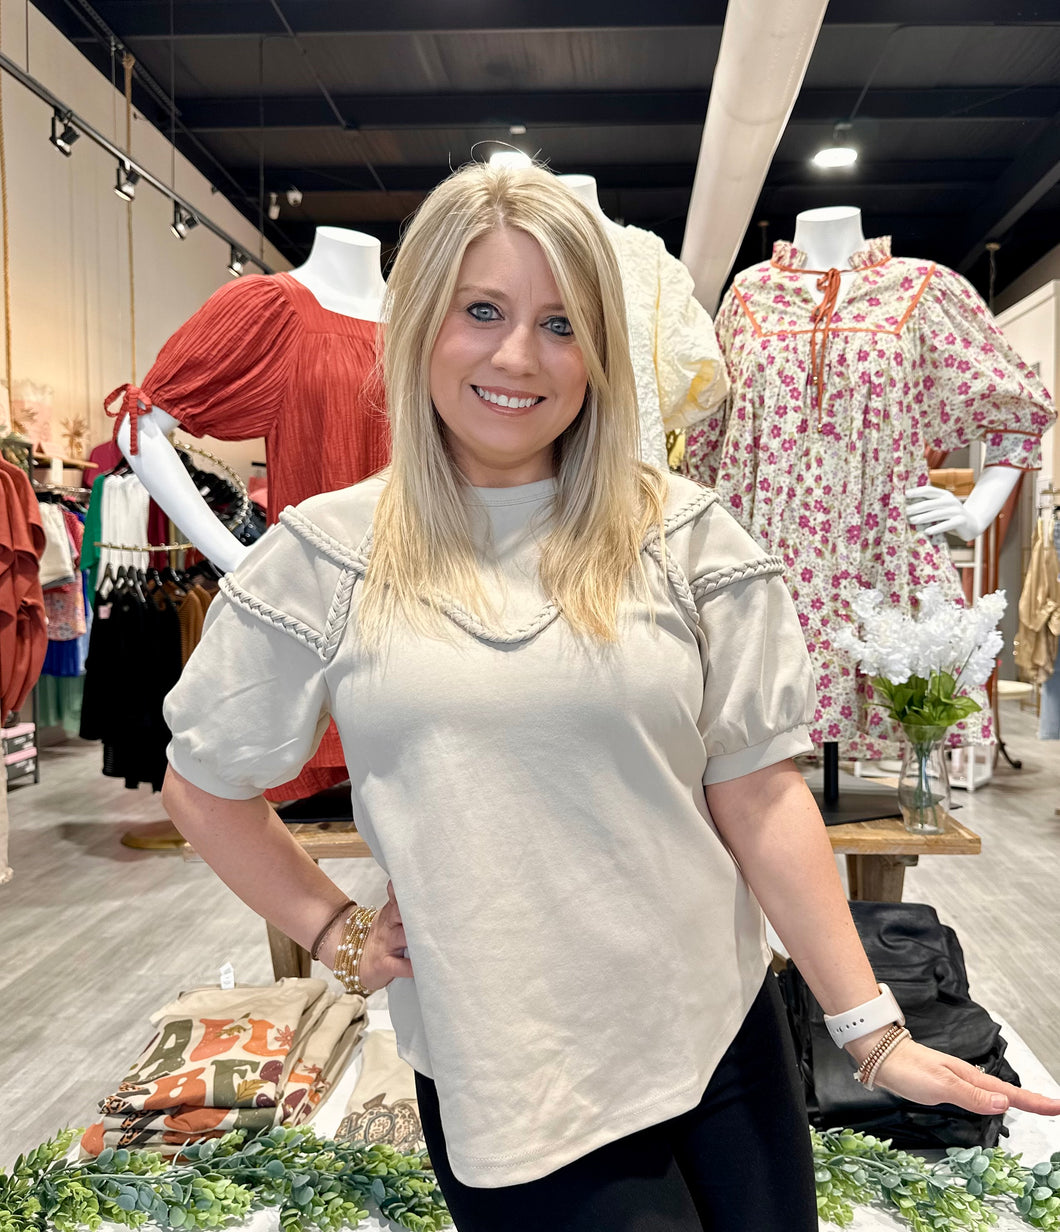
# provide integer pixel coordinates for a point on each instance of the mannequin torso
(343, 273)
(828, 237)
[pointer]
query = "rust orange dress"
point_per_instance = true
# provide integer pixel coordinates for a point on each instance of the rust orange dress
(263, 358)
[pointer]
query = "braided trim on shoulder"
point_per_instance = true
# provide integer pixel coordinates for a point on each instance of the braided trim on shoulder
(301, 632)
(718, 579)
(334, 549)
(675, 576)
(690, 510)
(335, 625)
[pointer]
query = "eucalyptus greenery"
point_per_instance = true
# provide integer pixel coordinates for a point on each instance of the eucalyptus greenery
(315, 1182)
(963, 1191)
(320, 1184)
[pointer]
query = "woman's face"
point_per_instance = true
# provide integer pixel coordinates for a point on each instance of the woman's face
(507, 376)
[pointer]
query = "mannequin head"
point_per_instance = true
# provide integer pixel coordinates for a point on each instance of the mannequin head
(584, 188)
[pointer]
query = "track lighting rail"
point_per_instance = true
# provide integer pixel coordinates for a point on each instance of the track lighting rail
(82, 127)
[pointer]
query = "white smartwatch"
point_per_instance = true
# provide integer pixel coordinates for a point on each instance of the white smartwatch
(881, 1011)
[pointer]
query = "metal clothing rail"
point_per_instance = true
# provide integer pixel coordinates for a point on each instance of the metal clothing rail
(45, 95)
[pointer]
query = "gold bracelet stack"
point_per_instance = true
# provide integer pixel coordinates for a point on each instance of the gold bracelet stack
(887, 1043)
(351, 947)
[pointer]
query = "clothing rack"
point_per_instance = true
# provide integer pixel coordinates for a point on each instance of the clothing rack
(146, 547)
(60, 487)
(81, 464)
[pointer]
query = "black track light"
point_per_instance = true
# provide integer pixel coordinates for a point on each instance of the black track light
(125, 183)
(237, 259)
(63, 132)
(183, 221)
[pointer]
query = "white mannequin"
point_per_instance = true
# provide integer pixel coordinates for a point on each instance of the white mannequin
(584, 187)
(828, 237)
(343, 271)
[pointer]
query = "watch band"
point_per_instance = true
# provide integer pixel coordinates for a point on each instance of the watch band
(881, 1011)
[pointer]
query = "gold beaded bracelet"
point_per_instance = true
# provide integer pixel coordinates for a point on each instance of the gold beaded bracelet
(351, 947)
(885, 1045)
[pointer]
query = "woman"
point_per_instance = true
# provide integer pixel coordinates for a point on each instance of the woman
(569, 690)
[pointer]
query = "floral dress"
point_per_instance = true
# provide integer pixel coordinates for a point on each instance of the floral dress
(833, 403)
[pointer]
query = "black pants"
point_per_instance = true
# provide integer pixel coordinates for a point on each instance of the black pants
(738, 1162)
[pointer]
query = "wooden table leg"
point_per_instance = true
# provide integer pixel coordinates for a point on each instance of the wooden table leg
(288, 957)
(877, 878)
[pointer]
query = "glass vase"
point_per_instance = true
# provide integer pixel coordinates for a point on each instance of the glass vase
(924, 783)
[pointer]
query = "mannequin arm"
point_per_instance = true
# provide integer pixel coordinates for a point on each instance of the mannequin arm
(934, 510)
(162, 473)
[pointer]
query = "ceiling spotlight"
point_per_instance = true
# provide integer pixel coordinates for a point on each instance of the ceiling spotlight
(274, 206)
(294, 196)
(127, 179)
(183, 221)
(840, 153)
(517, 130)
(237, 259)
(63, 132)
(510, 158)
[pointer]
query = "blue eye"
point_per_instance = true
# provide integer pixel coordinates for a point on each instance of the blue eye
(560, 326)
(484, 312)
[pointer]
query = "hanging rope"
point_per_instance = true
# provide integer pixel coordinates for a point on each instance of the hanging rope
(6, 250)
(127, 62)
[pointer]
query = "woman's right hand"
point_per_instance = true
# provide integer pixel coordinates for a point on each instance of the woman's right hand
(383, 958)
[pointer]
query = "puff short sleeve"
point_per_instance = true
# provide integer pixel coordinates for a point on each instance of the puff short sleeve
(252, 704)
(758, 686)
(976, 386)
(689, 368)
(225, 371)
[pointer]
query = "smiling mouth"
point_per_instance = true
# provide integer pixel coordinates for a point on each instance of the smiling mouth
(507, 401)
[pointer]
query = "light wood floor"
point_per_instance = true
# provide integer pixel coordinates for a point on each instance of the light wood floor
(94, 936)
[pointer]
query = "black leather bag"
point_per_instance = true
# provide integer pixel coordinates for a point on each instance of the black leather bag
(922, 962)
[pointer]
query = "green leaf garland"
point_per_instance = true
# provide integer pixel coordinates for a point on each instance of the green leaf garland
(963, 1191)
(315, 1182)
(320, 1184)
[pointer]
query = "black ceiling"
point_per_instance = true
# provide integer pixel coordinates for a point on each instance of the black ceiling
(364, 105)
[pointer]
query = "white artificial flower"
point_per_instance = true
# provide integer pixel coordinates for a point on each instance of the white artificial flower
(981, 661)
(865, 603)
(895, 665)
(988, 611)
(943, 637)
(929, 600)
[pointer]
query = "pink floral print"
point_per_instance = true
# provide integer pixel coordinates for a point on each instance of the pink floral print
(912, 361)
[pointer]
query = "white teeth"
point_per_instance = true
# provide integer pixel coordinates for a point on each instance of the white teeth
(504, 400)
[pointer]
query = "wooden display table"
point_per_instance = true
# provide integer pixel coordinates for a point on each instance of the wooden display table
(877, 852)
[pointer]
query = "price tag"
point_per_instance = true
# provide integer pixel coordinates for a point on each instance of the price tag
(228, 976)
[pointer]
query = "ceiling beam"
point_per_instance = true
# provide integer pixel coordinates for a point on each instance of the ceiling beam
(564, 108)
(1025, 182)
(618, 177)
(149, 19)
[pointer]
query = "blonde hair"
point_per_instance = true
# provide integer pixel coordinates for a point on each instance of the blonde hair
(606, 501)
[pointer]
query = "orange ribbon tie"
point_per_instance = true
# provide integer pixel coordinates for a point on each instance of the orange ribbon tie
(828, 284)
(130, 405)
